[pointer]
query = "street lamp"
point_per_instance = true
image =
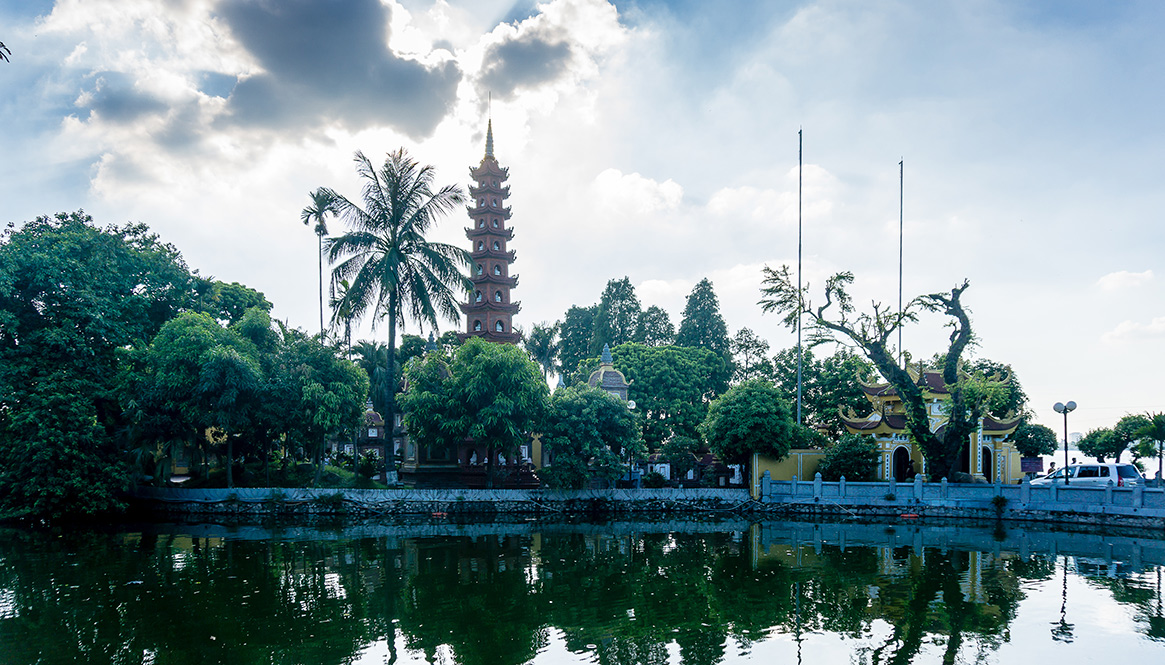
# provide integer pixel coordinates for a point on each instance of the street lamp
(1065, 409)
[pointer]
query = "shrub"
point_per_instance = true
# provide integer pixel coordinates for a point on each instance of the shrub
(854, 456)
(654, 480)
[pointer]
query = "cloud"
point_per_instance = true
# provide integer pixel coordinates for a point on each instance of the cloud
(524, 61)
(1123, 280)
(631, 194)
(115, 98)
(329, 61)
(1128, 331)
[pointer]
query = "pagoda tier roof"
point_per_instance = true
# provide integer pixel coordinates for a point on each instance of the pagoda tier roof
(874, 423)
(489, 166)
(476, 211)
(503, 192)
(1001, 426)
(510, 256)
(928, 381)
(499, 280)
(474, 232)
(496, 337)
(490, 306)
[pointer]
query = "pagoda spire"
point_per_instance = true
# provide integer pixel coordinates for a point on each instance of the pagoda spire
(489, 139)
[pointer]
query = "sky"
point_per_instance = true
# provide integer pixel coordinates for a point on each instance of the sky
(649, 139)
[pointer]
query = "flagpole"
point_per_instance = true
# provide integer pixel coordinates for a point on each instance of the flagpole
(900, 190)
(800, 305)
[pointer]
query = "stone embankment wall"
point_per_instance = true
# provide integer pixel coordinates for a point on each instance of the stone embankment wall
(442, 502)
(1138, 506)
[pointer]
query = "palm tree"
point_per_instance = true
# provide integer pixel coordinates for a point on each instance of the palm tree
(342, 312)
(321, 205)
(392, 270)
(543, 348)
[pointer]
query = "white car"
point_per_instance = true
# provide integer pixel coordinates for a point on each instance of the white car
(1096, 474)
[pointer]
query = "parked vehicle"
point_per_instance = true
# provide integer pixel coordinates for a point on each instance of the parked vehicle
(1096, 474)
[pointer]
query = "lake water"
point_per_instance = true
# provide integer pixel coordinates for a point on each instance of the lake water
(638, 592)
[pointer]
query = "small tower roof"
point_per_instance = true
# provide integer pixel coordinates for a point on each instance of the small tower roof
(432, 345)
(606, 358)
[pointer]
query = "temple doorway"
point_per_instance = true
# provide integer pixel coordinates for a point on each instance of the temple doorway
(901, 464)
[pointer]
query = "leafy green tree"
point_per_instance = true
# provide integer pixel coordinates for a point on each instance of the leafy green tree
(655, 327)
(590, 434)
(702, 326)
(679, 452)
(1152, 440)
(575, 332)
(1033, 439)
(617, 319)
(750, 356)
(670, 385)
(752, 417)
(854, 456)
(871, 332)
(231, 301)
(77, 303)
(317, 211)
(493, 394)
(1101, 443)
(372, 357)
(392, 268)
(1127, 429)
(543, 347)
(826, 385)
(229, 393)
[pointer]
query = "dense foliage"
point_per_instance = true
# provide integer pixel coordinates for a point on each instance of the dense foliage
(1033, 439)
(854, 456)
(752, 417)
(590, 434)
(76, 302)
(827, 384)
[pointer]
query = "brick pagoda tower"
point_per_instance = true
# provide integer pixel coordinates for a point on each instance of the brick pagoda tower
(489, 313)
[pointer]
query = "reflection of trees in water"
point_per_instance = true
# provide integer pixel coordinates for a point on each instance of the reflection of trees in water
(1140, 590)
(626, 599)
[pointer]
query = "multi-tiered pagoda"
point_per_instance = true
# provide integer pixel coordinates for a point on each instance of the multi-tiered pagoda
(489, 313)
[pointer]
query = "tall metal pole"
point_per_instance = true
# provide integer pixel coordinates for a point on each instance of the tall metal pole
(800, 304)
(1067, 471)
(900, 174)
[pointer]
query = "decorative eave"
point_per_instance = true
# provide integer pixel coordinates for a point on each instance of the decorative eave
(1001, 426)
(488, 253)
(480, 190)
(484, 306)
(495, 337)
(476, 211)
(891, 423)
(474, 233)
(498, 280)
(489, 167)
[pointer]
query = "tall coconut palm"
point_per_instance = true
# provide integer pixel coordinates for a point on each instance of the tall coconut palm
(543, 348)
(391, 268)
(321, 206)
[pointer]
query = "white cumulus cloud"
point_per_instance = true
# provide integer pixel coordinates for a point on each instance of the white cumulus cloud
(1136, 331)
(633, 194)
(1123, 279)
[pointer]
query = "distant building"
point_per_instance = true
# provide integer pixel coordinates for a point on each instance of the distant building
(607, 378)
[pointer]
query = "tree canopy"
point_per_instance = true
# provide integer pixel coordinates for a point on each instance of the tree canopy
(835, 321)
(702, 326)
(854, 456)
(575, 331)
(826, 384)
(655, 327)
(1033, 439)
(590, 434)
(752, 417)
(76, 303)
(617, 319)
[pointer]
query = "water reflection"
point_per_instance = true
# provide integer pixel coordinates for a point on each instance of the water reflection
(555, 593)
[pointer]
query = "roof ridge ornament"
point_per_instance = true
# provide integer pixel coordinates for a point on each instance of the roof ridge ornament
(606, 358)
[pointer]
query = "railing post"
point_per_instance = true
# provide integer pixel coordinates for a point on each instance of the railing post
(794, 492)
(841, 486)
(891, 487)
(918, 488)
(1054, 490)
(945, 488)
(1025, 491)
(1138, 497)
(766, 486)
(1108, 493)
(817, 485)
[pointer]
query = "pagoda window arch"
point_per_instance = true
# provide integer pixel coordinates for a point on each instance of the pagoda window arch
(495, 223)
(497, 296)
(497, 246)
(480, 270)
(477, 326)
(497, 270)
(500, 327)
(480, 202)
(477, 296)
(480, 245)
(493, 202)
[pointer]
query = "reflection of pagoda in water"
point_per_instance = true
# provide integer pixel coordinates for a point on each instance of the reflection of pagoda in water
(489, 312)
